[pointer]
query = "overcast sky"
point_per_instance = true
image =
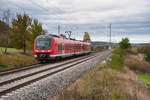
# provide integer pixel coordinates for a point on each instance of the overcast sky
(129, 18)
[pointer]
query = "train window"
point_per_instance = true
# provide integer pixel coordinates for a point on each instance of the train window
(68, 47)
(43, 44)
(84, 47)
(71, 47)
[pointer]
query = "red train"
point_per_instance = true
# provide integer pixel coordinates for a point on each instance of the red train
(48, 47)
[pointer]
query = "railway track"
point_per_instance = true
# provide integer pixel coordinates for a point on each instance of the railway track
(14, 70)
(14, 83)
(19, 69)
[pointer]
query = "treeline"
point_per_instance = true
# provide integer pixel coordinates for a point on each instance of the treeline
(21, 33)
(3, 33)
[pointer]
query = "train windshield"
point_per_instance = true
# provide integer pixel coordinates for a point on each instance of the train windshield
(43, 44)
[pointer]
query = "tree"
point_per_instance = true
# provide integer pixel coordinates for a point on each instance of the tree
(125, 44)
(35, 30)
(6, 18)
(3, 33)
(86, 37)
(19, 32)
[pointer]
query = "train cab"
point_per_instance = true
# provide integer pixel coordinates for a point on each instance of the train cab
(42, 47)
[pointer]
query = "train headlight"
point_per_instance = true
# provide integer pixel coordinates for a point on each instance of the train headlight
(35, 56)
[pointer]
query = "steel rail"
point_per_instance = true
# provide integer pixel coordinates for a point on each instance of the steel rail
(34, 73)
(18, 69)
(41, 77)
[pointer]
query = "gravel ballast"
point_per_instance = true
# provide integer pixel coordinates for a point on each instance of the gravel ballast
(48, 87)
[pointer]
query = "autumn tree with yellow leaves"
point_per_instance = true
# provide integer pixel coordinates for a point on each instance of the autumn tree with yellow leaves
(86, 37)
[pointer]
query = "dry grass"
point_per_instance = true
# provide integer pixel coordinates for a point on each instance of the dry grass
(9, 61)
(106, 84)
(99, 84)
(15, 58)
(129, 82)
(134, 62)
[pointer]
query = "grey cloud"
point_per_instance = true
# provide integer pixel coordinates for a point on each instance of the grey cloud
(127, 17)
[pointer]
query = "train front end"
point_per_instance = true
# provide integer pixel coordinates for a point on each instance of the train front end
(42, 48)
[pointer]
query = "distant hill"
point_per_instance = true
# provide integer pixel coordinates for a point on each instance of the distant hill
(99, 43)
(140, 44)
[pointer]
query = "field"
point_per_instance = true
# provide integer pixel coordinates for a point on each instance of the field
(15, 58)
(134, 48)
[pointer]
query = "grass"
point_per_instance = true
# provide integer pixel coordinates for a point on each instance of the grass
(14, 51)
(116, 59)
(144, 78)
(15, 58)
(134, 48)
(11, 50)
(3, 67)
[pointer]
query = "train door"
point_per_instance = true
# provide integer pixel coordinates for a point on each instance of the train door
(74, 49)
(63, 48)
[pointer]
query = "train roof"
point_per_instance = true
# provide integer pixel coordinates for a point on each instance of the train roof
(48, 36)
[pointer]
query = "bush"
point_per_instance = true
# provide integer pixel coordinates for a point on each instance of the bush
(146, 51)
(147, 56)
(125, 44)
(92, 48)
(143, 49)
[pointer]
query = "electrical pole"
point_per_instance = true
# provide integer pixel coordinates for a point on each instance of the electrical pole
(58, 29)
(110, 36)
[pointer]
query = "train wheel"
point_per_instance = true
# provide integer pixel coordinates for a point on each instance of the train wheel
(41, 61)
(47, 61)
(57, 59)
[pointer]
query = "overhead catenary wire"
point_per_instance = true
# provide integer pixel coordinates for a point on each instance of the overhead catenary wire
(110, 36)
(55, 11)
